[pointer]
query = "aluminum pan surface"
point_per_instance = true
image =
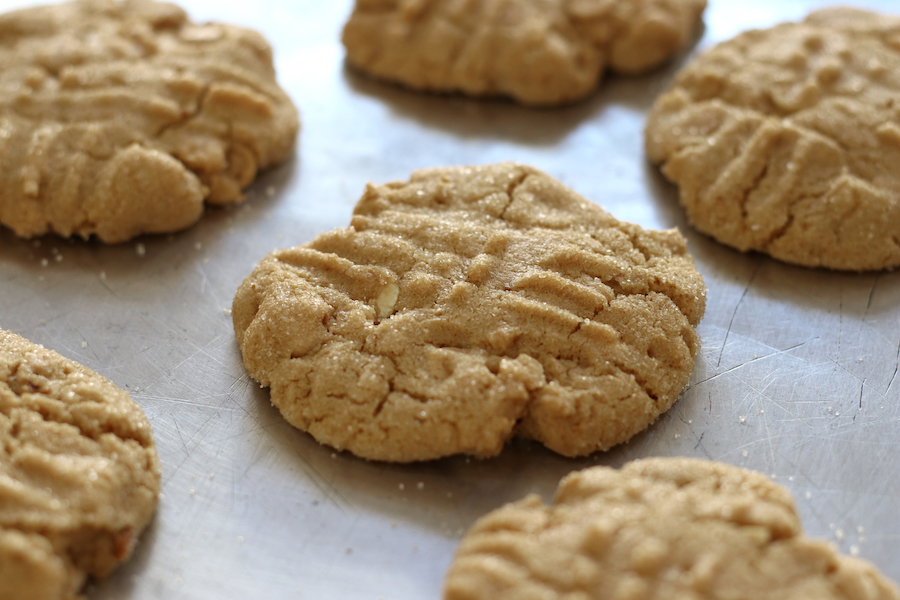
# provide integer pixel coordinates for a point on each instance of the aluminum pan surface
(796, 376)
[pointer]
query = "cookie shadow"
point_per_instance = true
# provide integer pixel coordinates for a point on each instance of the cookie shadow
(121, 583)
(813, 288)
(501, 118)
(55, 259)
(444, 496)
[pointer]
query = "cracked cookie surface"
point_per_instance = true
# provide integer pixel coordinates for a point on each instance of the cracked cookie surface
(468, 305)
(787, 140)
(79, 473)
(122, 118)
(658, 528)
(538, 52)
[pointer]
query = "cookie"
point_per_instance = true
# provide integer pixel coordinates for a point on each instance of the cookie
(468, 305)
(787, 140)
(79, 474)
(122, 118)
(659, 528)
(538, 52)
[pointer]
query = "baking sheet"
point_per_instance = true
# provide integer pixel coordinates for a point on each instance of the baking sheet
(797, 375)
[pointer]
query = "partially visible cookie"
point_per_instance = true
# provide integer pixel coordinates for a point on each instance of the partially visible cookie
(79, 474)
(538, 52)
(121, 118)
(468, 305)
(657, 529)
(787, 140)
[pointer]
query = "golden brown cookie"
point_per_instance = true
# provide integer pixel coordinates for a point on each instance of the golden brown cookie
(121, 118)
(539, 52)
(468, 305)
(787, 140)
(657, 529)
(79, 474)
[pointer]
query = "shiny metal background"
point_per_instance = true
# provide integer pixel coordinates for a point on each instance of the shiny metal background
(797, 376)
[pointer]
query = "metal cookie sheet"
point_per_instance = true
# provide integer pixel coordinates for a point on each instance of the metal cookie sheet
(797, 375)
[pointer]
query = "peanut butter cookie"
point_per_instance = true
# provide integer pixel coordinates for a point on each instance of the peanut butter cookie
(539, 52)
(657, 529)
(121, 118)
(787, 140)
(79, 474)
(468, 305)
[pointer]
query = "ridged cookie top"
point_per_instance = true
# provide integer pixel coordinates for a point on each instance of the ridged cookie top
(79, 474)
(467, 305)
(538, 52)
(787, 140)
(120, 118)
(657, 529)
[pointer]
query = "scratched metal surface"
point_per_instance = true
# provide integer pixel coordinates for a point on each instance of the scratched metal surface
(796, 376)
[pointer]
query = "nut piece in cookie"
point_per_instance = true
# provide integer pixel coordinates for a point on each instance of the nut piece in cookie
(538, 52)
(122, 118)
(468, 305)
(657, 529)
(787, 140)
(79, 474)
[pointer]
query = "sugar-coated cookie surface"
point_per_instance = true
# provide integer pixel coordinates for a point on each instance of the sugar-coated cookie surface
(122, 118)
(787, 140)
(538, 52)
(79, 474)
(656, 529)
(468, 305)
